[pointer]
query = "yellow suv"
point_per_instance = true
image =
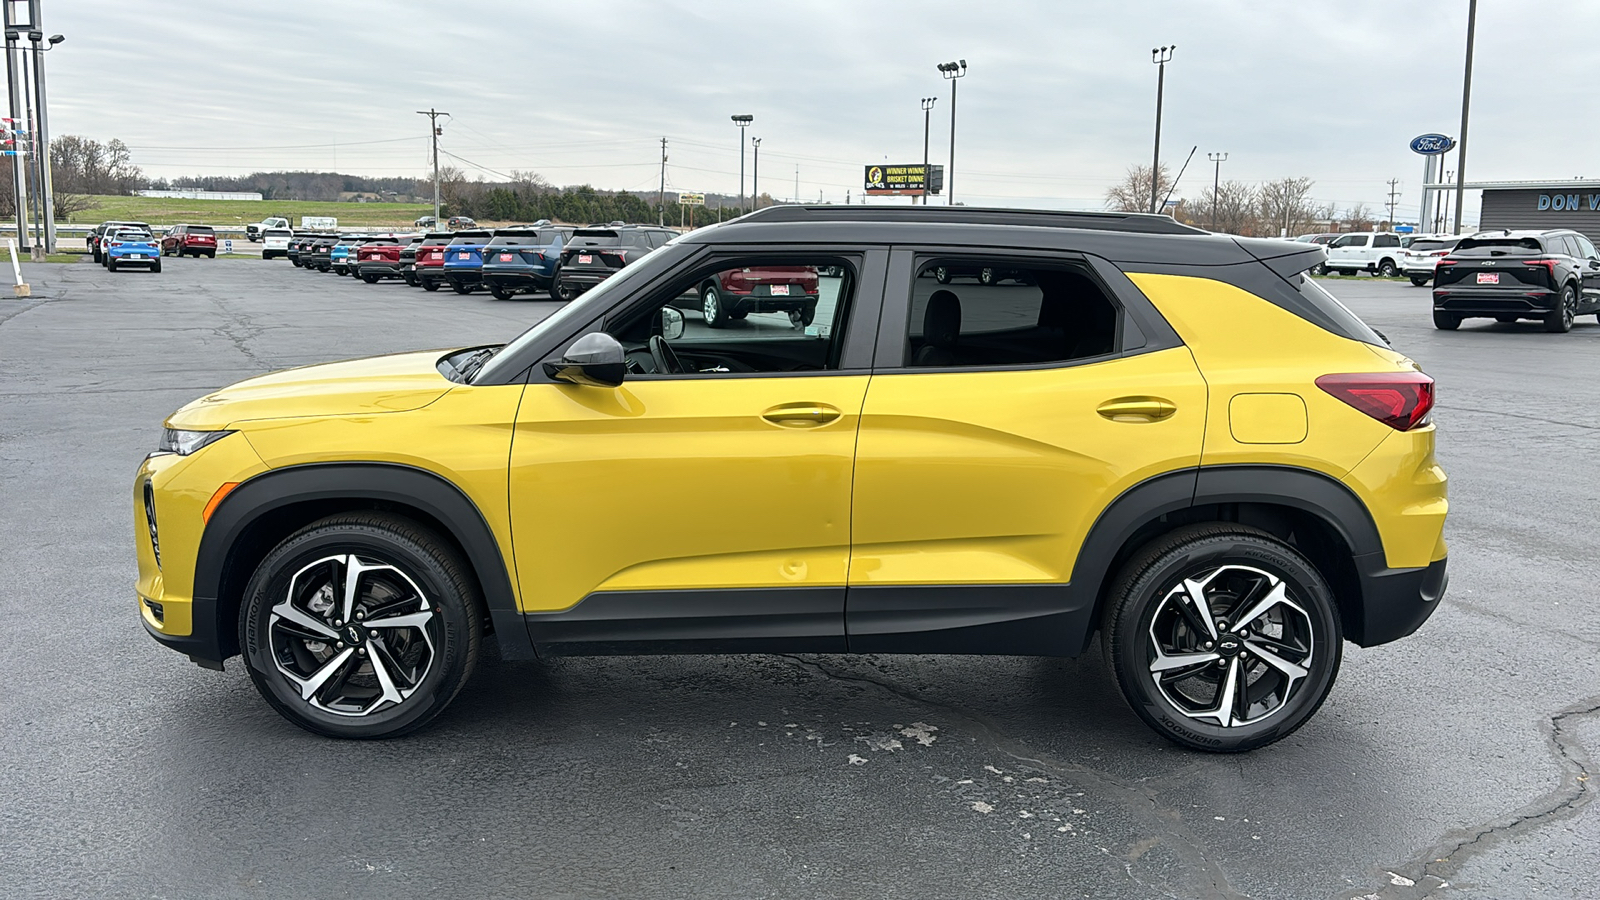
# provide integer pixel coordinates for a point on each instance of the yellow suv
(1172, 439)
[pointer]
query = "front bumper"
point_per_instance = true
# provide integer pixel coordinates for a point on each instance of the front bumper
(1395, 602)
(1471, 302)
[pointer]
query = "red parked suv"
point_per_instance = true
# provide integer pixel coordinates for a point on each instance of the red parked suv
(183, 240)
(429, 268)
(735, 293)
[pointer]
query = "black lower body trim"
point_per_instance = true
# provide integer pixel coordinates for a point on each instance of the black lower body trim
(995, 619)
(776, 620)
(1395, 602)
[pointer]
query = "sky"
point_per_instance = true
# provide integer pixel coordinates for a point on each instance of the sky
(1058, 102)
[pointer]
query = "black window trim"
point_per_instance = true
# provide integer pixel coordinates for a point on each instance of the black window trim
(1140, 327)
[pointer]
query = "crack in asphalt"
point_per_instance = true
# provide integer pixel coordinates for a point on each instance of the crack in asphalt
(245, 324)
(1428, 872)
(1215, 883)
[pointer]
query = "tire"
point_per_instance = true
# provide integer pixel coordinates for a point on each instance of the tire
(462, 288)
(1560, 321)
(1150, 623)
(559, 289)
(1387, 269)
(370, 279)
(409, 279)
(711, 306)
(941, 275)
(986, 276)
(156, 268)
(211, 255)
(1322, 270)
(1419, 282)
(111, 264)
(1446, 321)
(430, 285)
(289, 639)
(499, 292)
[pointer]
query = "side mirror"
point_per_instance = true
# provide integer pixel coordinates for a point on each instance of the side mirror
(671, 323)
(596, 360)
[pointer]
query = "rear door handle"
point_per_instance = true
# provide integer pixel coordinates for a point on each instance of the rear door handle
(1137, 409)
(801, 415)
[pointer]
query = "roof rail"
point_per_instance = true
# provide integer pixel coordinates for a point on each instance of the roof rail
(1142, 223)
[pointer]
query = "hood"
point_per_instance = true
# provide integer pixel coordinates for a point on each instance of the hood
(357, 387)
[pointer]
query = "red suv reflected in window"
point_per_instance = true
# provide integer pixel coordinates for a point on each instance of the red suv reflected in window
(735, 293)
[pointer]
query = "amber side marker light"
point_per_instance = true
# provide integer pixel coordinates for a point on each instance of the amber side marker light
(216, 500)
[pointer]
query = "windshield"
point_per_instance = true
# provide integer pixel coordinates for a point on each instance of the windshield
(1427, 245)
(588, 306)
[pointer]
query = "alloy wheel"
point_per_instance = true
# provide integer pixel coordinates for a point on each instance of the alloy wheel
(1230, 647)
(354, 636)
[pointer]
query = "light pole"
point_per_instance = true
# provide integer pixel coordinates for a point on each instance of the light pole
(927, 117)
(952, 71)
(434, 132)
(1159, 56)
(755, 173)
(41, 136)
(1466, 103)
(1216, 181)
(743, 121)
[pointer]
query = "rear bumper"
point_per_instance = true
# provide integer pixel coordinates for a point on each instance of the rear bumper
(463, 275)
(379, 270)
(752, 304)
(1395, 602)
(1495, 303)
(516, 278)
(583, 279)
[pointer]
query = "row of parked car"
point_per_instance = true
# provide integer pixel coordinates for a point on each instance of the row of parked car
(177, 240)
(563, 260)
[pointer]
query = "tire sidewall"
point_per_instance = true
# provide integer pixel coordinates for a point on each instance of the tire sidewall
(1129, 647)
(454, 647)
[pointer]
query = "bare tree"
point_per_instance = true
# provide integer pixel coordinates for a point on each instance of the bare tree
(68, 205)
(1358, 218)
(1284, 206)
(1132, 193)
(1234, 206)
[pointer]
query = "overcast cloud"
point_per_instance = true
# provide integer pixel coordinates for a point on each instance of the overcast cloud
(1059, 99)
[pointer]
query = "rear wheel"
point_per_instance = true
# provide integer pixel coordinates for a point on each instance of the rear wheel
(361, 625)
(1418, 282)
(986, 276)
(156, 267)
(1388, 269)
(499, 292)
(559, 289)
(430, 285)
(460, 288)
(941, 275)
(1446, 321)
(111, 264)
(711, 307)
(370, 279)
(1560, 321)
(1223, 638)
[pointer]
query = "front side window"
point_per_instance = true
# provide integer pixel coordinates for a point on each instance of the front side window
(984, 313)
(779, 314)
(1585, 248)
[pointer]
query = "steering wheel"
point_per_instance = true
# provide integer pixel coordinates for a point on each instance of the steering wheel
(666, 359)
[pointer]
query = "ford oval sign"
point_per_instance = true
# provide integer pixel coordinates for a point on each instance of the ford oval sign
(1432, 144)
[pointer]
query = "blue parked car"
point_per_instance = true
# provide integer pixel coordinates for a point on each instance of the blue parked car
(523, 259)
(342, 256)
(131, 247)
(463, 260)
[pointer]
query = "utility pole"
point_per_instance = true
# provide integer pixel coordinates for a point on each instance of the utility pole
(797, 182)
(41, 136)
(927, 118)
(1159, 56)
(1216, 181)
(755, 175)
(1393, 193)
(1466, 104)
(661, 198)
(952, 71)
(19, 177)
(434, 131)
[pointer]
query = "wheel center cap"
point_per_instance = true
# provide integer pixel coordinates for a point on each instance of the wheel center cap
(1229, 645)
(353, 634)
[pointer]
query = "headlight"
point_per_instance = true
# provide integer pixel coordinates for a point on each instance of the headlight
(184, 443)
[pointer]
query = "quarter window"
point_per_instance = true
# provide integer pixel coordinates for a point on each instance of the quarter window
(996, 312)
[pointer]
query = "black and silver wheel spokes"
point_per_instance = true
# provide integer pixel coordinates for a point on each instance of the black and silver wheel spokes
(1230, 646)
(354, 636)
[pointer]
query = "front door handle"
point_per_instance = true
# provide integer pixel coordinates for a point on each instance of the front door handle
(801, 415)
(1137, 409)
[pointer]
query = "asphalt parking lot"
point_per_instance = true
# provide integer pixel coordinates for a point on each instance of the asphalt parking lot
(1456, 763)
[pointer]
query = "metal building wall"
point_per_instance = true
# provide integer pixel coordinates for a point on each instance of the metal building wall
(1520, 209)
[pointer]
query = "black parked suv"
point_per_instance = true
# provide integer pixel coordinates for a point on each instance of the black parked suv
(596, 253)
(1552, 276)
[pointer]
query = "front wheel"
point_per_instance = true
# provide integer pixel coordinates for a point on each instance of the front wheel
(361, 625)
(1560, 321)
(1222, 638)
(1388, 269)
(941, 275)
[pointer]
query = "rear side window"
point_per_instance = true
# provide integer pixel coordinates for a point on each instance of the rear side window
(1007, 312)
(1386, 240)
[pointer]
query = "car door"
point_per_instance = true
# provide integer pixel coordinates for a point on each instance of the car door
(705, 509)
(1588, 261)
(1347, 251)
(1001, 421)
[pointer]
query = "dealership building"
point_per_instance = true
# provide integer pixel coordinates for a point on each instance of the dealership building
(1540, 205)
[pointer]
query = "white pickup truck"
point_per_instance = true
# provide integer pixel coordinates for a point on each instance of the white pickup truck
(254, 231)
(1377, 252)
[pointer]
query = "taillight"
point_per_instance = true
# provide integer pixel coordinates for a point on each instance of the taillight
(1448, 262)
(1400, 400)
(1548, 264)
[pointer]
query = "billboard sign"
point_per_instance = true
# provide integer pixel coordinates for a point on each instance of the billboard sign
(1432, 144)
(903, 180)
(688, 198)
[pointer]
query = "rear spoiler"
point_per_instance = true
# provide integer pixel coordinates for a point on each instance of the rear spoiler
(1285, 258)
